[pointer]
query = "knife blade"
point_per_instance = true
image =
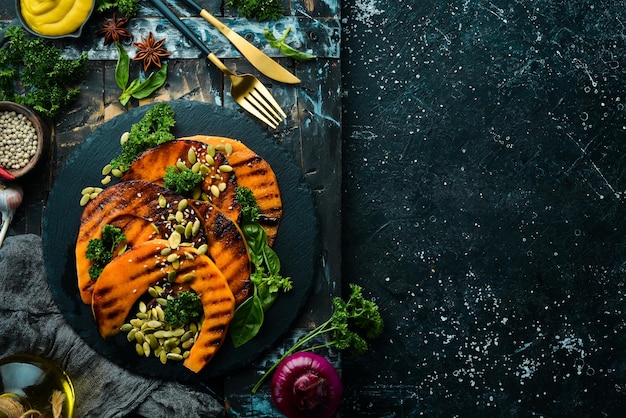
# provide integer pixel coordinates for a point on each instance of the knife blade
(256, 57)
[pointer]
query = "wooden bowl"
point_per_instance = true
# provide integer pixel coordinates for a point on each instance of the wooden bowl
(40, 130)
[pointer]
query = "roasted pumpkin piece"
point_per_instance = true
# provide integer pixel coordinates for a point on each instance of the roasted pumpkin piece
(253, 172)
(227, 248)
(125, 279)
(153, 204)
(219, 183)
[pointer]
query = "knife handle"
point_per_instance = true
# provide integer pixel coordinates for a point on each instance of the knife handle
(180, 25)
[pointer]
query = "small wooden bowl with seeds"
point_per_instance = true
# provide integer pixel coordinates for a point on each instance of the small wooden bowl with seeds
(22, 136)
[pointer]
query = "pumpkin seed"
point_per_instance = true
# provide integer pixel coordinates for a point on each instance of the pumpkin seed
(154, 343)
(159, 334)
(179, 216)
(215, 191)
(189, 256)
(172, 257)
(142, 307)
(160, 313)
(161, 301)
(131, 335)
(228, 148)
(204, 170)
(187, 344)
(136, 322)
(197, 192)
(209, 159)
(171, 275)
(139, 337)
(181, 165)
(163, 357)
(186, 354)
(155, 324)
(164, 252)
(189, 277)
(178, 332)
(187, 335)
(220, 147)
(84, 199)
(225, 168)
(162, 201)
(174, 356)
(195, 228)
(221, 186)
(126, 327)
(106, 180)
(106, 170)
(188, 230)
(191, 155)
(152, 291)
(182, 205)
(124, 137)
(142, 315)
(155, 228)
(146, 349)
(117, 172)
(139, 349)
(210, 150)
(174, 240)
(196, 167)
(88, 190)
(203, 249)
(93, 195)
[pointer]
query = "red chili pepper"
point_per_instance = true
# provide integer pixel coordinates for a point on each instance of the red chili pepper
(4, 174)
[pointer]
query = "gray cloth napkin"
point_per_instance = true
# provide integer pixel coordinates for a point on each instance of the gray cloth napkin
(30, 322)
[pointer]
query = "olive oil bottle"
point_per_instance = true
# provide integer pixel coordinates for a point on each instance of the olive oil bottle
(34, 386)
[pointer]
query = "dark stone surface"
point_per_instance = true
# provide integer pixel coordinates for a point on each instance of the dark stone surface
(484, 190)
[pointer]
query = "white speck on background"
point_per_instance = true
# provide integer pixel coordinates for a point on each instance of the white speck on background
(365, 10)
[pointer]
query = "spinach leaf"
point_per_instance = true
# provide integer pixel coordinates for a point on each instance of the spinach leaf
(247, 321)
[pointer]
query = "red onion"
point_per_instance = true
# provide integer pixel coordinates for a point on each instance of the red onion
(306, 385)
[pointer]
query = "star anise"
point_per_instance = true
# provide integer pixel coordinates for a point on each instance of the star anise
(112, 29)
(150, 51)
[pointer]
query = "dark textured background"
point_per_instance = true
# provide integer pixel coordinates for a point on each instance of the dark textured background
(483, 205)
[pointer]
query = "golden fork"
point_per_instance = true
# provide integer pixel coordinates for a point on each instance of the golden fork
(245, 89)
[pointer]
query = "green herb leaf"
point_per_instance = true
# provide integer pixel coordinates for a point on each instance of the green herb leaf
(286, 49)
(122, 68)
(246, 321)
(151, 84)
(258, 9)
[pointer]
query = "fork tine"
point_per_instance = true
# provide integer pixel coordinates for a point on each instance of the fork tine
(263, 106)
(253, 110)
(268, 96)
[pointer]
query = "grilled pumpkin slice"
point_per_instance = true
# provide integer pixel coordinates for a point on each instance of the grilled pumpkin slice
(117, 205)
(253, 172)
(227, 248)
(219, 185)
(129, 276)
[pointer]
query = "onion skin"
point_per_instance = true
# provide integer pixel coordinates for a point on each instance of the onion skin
(306, 385)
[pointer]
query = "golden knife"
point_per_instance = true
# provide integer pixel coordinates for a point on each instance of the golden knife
(257, 58)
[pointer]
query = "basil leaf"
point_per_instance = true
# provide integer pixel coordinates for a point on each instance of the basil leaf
(151, 84)
(247, 321)
(122, 68)
(257, 240)
(271, 260)
(266, 296)
(127, 93)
